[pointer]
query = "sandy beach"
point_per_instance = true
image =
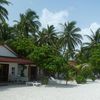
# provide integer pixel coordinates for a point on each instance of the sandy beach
(72, 91)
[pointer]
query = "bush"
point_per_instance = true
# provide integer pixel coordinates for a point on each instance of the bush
(93, 78)
(44, 80)
(86, 71)
(80, 79)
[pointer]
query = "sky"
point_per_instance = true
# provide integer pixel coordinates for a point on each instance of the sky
(84, 12)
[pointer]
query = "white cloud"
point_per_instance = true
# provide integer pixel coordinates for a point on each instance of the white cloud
(87, 31)
(53, 18)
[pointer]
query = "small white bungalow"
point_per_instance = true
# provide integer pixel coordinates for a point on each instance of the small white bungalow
(15, 69)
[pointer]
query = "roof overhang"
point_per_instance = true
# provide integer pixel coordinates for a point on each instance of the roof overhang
(15, 60)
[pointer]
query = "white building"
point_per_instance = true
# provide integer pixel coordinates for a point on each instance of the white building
(13, 69)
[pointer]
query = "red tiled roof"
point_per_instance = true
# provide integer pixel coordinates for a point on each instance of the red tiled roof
(15, 60)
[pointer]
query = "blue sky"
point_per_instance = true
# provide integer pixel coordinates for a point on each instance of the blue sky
(84, 12)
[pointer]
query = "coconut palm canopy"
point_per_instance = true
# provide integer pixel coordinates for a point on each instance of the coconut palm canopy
(70, 37)
(3, 11)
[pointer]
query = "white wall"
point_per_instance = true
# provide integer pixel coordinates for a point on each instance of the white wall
(14, 65)
(15, 75)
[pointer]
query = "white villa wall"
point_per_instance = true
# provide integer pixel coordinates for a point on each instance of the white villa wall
(16, 76)
(13, 65)
(26, 72)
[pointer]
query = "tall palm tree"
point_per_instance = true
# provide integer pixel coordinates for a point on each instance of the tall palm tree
(70, 37)
(94, 38)
(48, 36)
(3, 11)
(88, 47)
(28, 24)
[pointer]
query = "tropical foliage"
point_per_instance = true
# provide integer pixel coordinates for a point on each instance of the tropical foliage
(5, 32)
(28, 24)
(3, 11)
(50, 49)
(70, 37)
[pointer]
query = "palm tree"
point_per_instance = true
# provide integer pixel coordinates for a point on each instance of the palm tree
(70, 37)
(3, 11)
(28, 24)
(83, 55)
(88, 47)
(5, 32)
(48, 36)
(94, 38)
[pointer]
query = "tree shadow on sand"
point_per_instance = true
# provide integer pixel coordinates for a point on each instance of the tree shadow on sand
(7, 87)
(58, 85)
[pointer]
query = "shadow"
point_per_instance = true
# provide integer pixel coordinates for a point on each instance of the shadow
(58, 85)
(92, 82)
(6, 86)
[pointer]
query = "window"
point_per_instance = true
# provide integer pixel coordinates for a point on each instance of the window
(21, 70)
(13, 70)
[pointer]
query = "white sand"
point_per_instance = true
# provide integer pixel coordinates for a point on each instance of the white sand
(89, 91)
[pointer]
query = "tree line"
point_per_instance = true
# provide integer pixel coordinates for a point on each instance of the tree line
(50, 49)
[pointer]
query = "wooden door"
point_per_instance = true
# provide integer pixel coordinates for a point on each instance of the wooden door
(32, 73)
(4, 68)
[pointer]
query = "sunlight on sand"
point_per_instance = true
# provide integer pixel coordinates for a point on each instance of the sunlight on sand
(71, 91)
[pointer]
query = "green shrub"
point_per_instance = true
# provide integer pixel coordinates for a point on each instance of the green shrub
(44, 80)
(86, 71)
(93, 78)
(80, 79)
